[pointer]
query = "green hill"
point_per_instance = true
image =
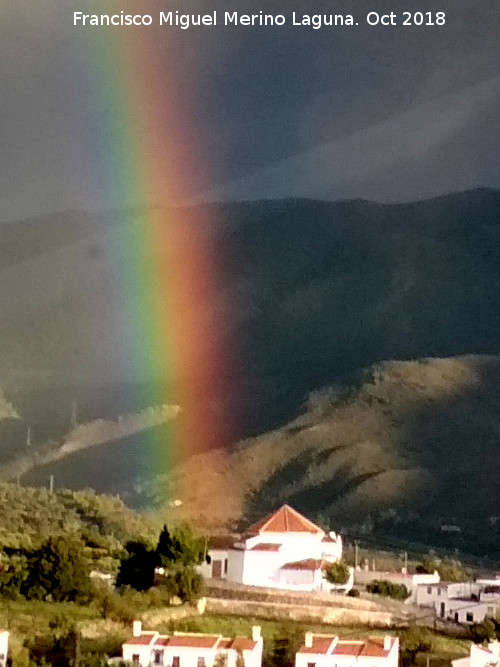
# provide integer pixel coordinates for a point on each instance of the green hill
(29, 515)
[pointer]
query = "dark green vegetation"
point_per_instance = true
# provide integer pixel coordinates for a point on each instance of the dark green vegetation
(388, 589)
(102, 523)
(178, 552)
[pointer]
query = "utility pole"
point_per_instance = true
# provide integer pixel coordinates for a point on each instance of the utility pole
(28, 437)
(74, 415)
(356, 545)
(51, 484)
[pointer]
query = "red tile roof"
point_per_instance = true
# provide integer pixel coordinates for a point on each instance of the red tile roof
(265, 546)
(284, 520)
(309, 564)
(325, 645)
(194, 641)
(162, 641)
(320, 645)
(144, 639)
(243, 644)
(221, 542)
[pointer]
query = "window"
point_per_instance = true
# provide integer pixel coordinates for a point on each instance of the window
(176, 661)
(201, 662)
(225, 566)
(439, 591)
(469, 617)
(311, 664)
(135, 658)
(429, 590)
(158, 657)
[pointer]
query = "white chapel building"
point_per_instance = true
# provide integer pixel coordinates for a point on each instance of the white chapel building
(283, 550)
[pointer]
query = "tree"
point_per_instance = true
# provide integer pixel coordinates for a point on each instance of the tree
(180, 546)
(137, 567)
(58, 571)
(337, 573)
(285, 644)
(185, 582)
(415, 640)
(484, 631)
(449, 569)
(13, 573)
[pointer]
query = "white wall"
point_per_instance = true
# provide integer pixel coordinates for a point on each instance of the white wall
(4, 647)
(320, 660)
(467, 611)
(144, 653)
(189, 656)
(221, 555)
(235, 565)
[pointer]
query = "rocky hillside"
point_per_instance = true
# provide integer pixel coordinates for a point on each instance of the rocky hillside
(406, 453)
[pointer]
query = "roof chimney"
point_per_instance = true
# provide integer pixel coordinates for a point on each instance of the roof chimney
(137, 628)
(256, 633)
(387, 642)
(308, 642)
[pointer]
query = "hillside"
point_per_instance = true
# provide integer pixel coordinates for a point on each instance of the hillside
(306, 295)
(305, 292)
(407, 449)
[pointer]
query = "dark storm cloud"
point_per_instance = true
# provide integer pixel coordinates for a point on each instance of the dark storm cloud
(390, 113)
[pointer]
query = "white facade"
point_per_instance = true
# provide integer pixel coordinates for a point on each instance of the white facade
(284, 550)
(191, 649)
(328, 651)
(4, 647)
(480, 656)
(462, 602)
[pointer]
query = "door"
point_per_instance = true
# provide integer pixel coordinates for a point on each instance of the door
(216, 569)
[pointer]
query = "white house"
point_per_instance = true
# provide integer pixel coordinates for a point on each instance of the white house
(283, 550)
(4, 647)
(415, 583)
(329, 651)
(190, 649)
(462, 602)
(480, 656)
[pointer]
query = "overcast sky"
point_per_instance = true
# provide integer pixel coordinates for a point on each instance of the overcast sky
(394, 113)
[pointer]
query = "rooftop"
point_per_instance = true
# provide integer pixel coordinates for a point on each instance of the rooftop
(284, 520)
(372, 647)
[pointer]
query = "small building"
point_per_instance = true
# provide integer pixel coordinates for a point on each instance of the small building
(413, 582)
(284, 550)
(191, 649)
(480, 656)
(329, 651)
(461, 602)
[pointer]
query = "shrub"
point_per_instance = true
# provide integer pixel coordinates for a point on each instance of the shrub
(337, 573)
(353, 593)
(388, 589)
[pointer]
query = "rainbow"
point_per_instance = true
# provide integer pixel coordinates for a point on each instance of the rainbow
(168, 260)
